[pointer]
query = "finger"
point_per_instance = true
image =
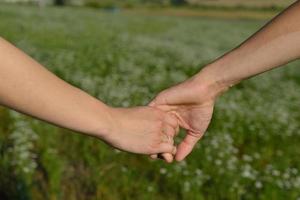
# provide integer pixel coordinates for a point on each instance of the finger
(154, 156)
(169, 130)
(168, 157)
(165, 148)
(187, 145)
(177, 130)
(182, 123)
(170, 96)
(159, 99)
(161, 103)
(165, 156)
(171, 119)
(152, 103)
(167, 139)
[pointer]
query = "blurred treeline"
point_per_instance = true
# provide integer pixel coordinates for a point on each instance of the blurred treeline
(132, 3)
(102, 3)
(113, 4)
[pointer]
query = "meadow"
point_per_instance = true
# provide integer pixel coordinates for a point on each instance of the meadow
(260, 4)
(251, 150)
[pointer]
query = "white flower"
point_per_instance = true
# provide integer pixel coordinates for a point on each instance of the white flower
(124, 169)
(258, 184)
(163, 170)
(186, 172)
(275, 172)
(247, 158)
(218, 162)
(198, 172)
(186, 186)
(150, 189)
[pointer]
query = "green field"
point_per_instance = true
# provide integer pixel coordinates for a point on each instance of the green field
(243, 3)
(251, 150)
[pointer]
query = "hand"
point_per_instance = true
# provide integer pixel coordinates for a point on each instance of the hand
(142, 130)
(192, 102)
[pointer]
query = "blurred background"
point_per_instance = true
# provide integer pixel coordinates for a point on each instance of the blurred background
(126, 51)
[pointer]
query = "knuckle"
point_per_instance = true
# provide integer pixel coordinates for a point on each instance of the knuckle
(156, 113)
(160, 95)
(153, 148)
(172, 132)
(160, 98)
(159, 125)
(159, 113)
(174, 120)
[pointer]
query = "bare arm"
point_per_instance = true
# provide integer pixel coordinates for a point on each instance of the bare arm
(275, 44)
(28, 87)
(32, 89)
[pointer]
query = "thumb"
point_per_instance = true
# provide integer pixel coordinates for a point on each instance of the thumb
(187, 145)
(160, 99)
(163, 101)
(170, 96)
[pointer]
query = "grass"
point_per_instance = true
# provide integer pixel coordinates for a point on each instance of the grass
(241, 3)
(211, 12)
(251, 150)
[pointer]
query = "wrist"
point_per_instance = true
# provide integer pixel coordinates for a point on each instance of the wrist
(212, 81)
(114, 122)
(104, 121)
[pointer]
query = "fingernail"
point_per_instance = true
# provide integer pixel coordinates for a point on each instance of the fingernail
(174, 150)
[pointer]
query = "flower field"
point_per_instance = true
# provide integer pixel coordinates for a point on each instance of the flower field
(251, 150)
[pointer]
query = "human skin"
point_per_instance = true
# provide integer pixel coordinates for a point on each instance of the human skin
(276, 44)
(29, 88)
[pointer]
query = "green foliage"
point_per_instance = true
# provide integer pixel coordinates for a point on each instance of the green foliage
(178, 2)
(107, 4)
(112, 4)
(251, 150)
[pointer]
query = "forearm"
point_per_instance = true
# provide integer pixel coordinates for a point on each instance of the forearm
(274, 45)
(28, 87)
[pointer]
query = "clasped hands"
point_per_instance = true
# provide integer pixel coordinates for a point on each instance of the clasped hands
(151, 129)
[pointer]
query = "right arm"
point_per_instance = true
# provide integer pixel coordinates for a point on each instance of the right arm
(275, 44)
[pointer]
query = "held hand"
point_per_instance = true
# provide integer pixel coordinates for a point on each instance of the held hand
(193, 104)
(142, 130)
